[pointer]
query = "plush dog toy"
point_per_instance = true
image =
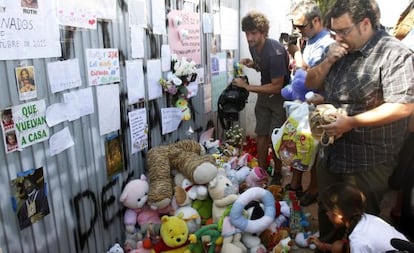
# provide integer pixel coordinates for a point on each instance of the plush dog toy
(183, 156)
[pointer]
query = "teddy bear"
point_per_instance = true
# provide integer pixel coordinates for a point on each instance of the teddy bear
(224, 193)
(296, 90)
(116, 248)
(270, 238)
(134, 197)
(253, 243)
(174, 235)
(193, 191)
(186, 157)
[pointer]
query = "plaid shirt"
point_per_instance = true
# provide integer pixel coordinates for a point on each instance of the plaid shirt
(381, 72)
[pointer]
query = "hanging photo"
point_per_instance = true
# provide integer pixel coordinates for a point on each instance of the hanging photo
(113, 150)
(30, 197)
(26, 85)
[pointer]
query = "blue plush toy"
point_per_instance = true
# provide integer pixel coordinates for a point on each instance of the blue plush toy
(296, 90)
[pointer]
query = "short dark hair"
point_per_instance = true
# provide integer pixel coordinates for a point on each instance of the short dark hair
(255, 21)
(345, 197)
(357, 10)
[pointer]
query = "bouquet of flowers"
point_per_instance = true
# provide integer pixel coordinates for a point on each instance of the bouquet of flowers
(183, 72)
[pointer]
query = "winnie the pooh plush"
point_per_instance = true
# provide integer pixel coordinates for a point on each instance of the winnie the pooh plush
(174, 235)
(184, 156)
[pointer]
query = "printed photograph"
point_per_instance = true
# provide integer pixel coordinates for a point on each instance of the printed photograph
(26, 85)
(30, 195)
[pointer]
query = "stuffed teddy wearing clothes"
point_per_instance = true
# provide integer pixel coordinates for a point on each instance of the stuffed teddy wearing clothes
(134, 197)
(183, 156)
(174, 235)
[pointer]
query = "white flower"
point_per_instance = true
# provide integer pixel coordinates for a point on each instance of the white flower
(184, 68)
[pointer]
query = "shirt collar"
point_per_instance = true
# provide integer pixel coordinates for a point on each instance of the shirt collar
(369, 46)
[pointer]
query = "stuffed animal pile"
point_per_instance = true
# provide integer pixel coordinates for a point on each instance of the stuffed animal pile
(193, 202)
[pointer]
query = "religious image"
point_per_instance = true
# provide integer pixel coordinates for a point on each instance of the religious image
(26, 82)
(114, 160)
(30, 197)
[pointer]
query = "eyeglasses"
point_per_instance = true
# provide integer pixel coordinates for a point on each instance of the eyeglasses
(299, 26)
(343, 32)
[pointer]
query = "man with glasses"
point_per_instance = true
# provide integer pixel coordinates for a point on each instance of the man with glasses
(307, 19)
(370, 75)
(272, 60)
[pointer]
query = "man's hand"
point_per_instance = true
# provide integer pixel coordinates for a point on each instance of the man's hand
(337, 51)
(247, 62)
(341, 125)
(240, 82)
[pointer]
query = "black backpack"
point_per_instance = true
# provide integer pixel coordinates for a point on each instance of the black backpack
(232, 100)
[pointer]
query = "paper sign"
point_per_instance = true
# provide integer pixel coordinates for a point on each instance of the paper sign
(184, 34)
(108, 108)
(170, 119)
(78, 103)
(135, 81)
(30, 123)
(137, 42)
(76, 13)
(64, 75)
(139, 130)
(27, 33)
(60, 141)
(137, 11)
(158, 17)
(103, 65)
(165, 58)
(154, 75)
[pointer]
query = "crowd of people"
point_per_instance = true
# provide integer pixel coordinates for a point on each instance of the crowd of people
(354, 64)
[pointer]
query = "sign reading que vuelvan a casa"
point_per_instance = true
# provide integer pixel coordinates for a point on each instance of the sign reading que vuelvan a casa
(30, 123)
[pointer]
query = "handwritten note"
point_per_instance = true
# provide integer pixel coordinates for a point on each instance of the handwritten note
(184, 34)
(109, 109)
(64, 75)
(135, 81)
(103, 65)
(139, 130)
(77, 13)
(30, 123)
(24, 34)
(170, 119)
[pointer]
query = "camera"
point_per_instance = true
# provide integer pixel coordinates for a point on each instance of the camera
(293, 38)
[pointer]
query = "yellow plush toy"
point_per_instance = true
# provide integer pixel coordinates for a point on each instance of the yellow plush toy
(186, 157)
(174, 235)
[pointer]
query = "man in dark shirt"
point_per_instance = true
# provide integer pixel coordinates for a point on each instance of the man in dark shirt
(271, 59)
(370, 75)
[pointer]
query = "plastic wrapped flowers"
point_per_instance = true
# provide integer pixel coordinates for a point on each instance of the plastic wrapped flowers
(183, 72)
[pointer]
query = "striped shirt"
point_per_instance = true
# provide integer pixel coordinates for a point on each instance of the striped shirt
(381, 72)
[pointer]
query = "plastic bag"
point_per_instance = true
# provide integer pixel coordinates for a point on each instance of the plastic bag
(293, 142)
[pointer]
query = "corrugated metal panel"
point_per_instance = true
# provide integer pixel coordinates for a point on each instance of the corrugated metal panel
(85, 215)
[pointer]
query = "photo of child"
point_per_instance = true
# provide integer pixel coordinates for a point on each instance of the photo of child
(7, 119)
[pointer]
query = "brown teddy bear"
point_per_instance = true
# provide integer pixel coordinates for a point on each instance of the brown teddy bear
(185, 156)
